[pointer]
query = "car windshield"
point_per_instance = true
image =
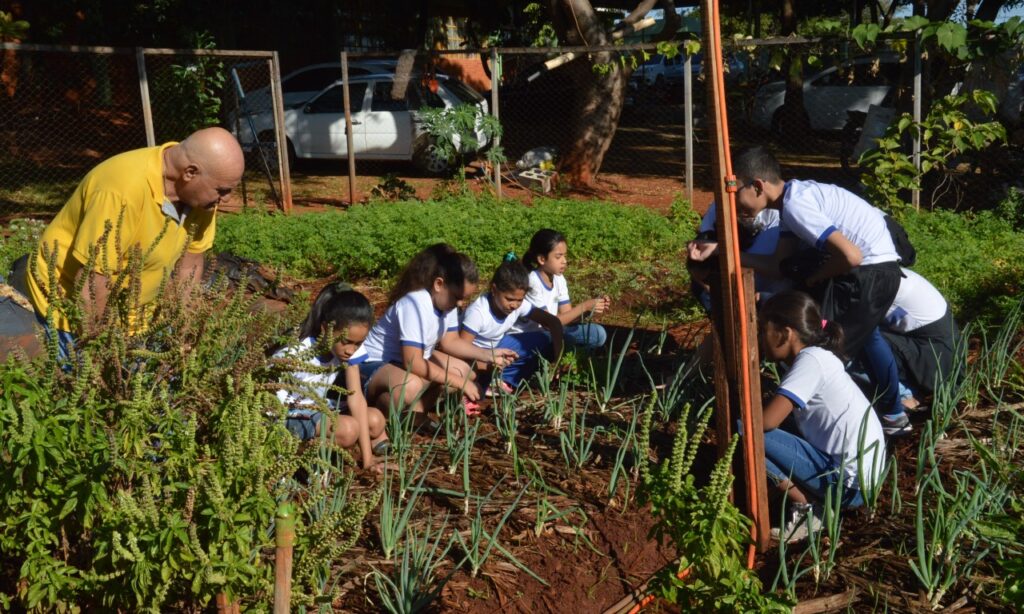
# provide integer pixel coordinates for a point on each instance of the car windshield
(463, 92)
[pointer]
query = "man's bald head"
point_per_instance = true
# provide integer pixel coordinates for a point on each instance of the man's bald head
(205, 167)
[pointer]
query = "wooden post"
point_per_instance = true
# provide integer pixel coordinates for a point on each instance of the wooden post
(495, 80)
(282, 138)
(740, 365)
(284, 537)
(226, 607)
(916, 194)
(348, 131)
(147, 108)
(753, 366)
(688, 124)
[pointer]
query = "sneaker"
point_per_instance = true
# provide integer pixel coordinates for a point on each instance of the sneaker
(505, 389)
(382, 448)
(803, 521)
(896, 424)
(472, 407)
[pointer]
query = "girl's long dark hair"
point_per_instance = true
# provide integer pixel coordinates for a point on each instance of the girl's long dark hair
(510, 275)
(438, 260)
(543, 243)
(799, 312)
(337, 305)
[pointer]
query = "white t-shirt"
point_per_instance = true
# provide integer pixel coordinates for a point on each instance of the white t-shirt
(812, 211)
(318, 381)
(486, 325)
(543, 296)
(412, 321)
(765, 242)
(830, 410)
(917, 304)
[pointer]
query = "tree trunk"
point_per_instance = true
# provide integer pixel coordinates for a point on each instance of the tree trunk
(792, 124)
(989, 9)
(603, 94)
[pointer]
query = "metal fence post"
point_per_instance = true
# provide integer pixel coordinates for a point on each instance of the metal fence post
(495, 80)
(688, 124)
(348, 130)
(147, 109)
(282, 139)
(916, 195)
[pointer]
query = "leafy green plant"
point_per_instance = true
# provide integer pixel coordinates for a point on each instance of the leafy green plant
(611, 371)
(575, 442)
(394, 514)
(473, 546)
(20, 238)
(414, 583)
(947, 133)
(145, 473)
(457, 131)
(709, 533)
(392, 187)
(187, 96)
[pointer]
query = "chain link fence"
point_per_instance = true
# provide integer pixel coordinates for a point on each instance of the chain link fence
(64, 110)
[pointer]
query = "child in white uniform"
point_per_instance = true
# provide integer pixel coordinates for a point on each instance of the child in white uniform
(347, 315)
(398, 361)
(839, 445)
(493, 314)
(547, 259)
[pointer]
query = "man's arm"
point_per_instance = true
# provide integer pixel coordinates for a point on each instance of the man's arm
(95, 294)
(189, 271)
(844, 256)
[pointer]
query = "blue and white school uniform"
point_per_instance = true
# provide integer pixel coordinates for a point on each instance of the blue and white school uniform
(588, 336)
(840, 438)
(489, 328)
(303, 417)
(857, 300)
(765, 242)
(919, 326)
(412, 321)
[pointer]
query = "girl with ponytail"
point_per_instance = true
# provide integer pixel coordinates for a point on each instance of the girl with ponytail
(491, 317)
(836, 442)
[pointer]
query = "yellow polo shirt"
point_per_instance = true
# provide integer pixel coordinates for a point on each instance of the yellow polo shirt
(128, 191)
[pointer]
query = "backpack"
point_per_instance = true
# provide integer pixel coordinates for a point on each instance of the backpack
(904, 249)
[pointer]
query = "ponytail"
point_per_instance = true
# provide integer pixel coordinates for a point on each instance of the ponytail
(798, 311)
(510, 275)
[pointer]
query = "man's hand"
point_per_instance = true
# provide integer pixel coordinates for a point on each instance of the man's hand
(699, 251)
(503, 357)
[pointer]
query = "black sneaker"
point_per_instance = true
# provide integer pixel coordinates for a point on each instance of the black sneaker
(896, 424)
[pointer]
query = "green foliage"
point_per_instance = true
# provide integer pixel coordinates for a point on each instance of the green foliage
(144, 473)
(12, 29)
(537, 31)
(187, 97)
(458, 130)
(946, 134)
(22, 236)
(392, 187)
(378, 239)
(975, 259)
(709, 533)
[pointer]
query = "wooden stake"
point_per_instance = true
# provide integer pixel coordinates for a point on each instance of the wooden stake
(348, 131)
(284, 537)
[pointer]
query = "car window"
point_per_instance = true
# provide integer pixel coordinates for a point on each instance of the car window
(463, 92)
(384, 100)
(333, 101)
(655, 59)
(419, 96)
(316, 79)
(829, 78)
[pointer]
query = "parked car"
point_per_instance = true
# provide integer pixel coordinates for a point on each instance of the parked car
(302, 84)
(852, 86)
(384, 121)
(661, 71)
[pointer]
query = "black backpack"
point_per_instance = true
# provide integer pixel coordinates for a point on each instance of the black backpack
(904, 248)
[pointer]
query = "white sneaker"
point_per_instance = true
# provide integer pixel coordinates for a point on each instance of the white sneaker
(803, 521)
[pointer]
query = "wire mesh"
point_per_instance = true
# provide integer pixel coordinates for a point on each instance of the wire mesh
(60, 114)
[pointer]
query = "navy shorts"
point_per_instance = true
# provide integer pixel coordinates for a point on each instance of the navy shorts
(367, 369)
(303, 422)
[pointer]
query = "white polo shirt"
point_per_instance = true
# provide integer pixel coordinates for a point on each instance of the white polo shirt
(412, 321)
(812, 211)
(918, 303)
(317, 381)
(830, 411)
(765, 242)
(487, 327)
(543, 296)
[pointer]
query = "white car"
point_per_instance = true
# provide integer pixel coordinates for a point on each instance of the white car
(828, 95)
(384, 122)
(302, 84)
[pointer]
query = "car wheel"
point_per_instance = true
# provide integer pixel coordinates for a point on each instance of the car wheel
(428, 158)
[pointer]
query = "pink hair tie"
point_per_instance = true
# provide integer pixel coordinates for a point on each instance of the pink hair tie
(824, 323)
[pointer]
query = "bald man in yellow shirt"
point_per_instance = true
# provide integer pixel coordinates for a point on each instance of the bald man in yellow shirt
(155, 200)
